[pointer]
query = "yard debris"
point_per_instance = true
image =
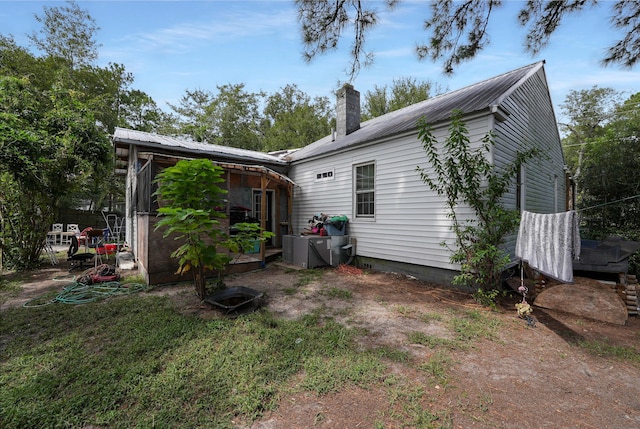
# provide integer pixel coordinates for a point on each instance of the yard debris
(523, 307)
(524, 312)
(349, 270)
(99, 274)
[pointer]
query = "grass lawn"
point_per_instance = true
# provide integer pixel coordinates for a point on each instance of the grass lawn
(141, 361)
(135, 361)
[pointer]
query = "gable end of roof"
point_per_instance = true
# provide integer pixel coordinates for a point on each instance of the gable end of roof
(486, 95)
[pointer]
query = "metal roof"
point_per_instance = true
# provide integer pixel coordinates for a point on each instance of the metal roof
(474, 98)
(158, 142)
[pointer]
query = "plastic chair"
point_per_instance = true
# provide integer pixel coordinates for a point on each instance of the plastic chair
(55, 235)
(72, 230)
(83, 238)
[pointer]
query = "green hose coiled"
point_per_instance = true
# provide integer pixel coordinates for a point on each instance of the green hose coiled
(80, 293)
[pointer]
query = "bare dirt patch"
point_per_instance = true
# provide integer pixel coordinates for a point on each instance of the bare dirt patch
(525, 377)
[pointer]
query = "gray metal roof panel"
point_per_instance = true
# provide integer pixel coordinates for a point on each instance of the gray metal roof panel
(474, 98)
(150, 140)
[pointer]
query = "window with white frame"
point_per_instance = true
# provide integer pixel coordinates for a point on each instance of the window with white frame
(364, 190)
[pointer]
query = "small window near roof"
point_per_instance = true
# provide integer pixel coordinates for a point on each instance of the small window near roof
(325, 175)
(364, 189)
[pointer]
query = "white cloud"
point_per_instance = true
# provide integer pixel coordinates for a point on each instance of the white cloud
(397, 53)
(225, 27)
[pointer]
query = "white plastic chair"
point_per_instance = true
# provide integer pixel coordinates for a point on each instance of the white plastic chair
(55, 235)
(65, 237)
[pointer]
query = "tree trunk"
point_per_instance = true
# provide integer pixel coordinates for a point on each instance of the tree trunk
(200, 282)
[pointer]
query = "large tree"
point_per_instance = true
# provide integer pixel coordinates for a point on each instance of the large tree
(458, 29)
(56, 113)
(293, 120)
(50, 146)
(610, 183)
(587, 112)
(140, 112)
(229, 118)
(402, 93)
(232, 117)
(192, 118)
(67, 32)
(236, 113)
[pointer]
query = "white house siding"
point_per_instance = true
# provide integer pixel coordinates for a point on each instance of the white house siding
(532, 123)
(410, 220)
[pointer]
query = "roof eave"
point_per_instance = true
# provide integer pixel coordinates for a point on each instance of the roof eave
(177, 149)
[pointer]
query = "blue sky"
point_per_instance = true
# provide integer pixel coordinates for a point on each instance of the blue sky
(174, 46)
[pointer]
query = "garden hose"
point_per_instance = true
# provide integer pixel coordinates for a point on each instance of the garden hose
(80, 293)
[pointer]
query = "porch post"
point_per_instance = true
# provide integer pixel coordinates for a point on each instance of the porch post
(263, 213)
(131, 213)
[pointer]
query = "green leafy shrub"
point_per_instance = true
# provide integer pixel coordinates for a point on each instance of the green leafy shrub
(190, 198)
(466, 176)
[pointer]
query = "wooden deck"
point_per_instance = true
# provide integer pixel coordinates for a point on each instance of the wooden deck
(251, 261)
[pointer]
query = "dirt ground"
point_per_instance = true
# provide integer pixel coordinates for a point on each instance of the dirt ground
(534, 377)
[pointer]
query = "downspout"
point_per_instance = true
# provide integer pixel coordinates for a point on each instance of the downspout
(491, 128)
(277, 221)
(290, 209)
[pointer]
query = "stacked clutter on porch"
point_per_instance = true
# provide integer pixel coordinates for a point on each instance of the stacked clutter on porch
(324, 242)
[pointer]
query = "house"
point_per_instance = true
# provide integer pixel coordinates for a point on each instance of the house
(367, 170)
(257, 185)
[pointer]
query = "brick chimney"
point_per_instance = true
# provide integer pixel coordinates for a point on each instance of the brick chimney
(347, 110)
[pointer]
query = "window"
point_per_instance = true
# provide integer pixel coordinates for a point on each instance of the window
(325, 175)
(365, 190)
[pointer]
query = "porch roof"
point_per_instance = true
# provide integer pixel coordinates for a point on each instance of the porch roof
(246, 169)
(258, 170)
(123, 137)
